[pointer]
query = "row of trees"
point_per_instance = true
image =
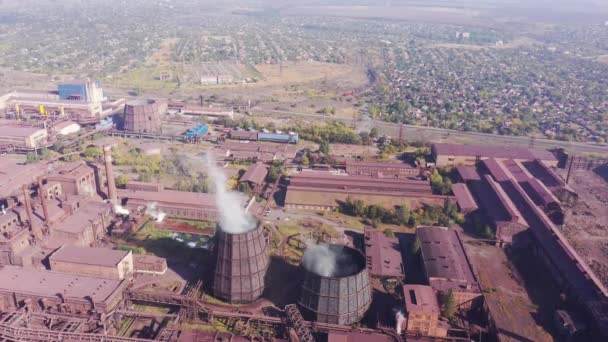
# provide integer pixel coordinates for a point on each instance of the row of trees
(403, 215)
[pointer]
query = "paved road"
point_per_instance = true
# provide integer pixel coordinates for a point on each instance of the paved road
(432, 134)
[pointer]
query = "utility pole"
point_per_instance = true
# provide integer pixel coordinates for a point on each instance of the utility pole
(569, 169)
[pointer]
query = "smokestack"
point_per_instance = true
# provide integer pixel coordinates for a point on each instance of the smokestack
(107, 153)
(28, 208)
(45, 208)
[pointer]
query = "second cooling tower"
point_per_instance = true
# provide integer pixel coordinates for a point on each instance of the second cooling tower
(242, 261)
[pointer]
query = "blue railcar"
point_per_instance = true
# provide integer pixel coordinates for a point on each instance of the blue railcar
(197, 131)
(291, 138)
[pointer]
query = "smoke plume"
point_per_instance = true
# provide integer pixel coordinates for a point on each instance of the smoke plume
(328, 261)
(153, 211)
(119, 210)
(233, 217)
(399, 318)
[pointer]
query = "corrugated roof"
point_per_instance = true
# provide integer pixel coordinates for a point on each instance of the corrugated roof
(255, 174)
(496, 170)
(378, 164)
(444, 259)
(89, 256)
(420, 299)
(357, 337)
(187, 199)
(382, 254)
(468, 173)
(465, 200)
(49, 284)
(501, 152)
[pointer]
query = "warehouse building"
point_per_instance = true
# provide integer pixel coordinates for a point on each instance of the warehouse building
(149, 264)
(94, 262)
(18, 135)
(376, 169)
(55, 292)
(469, 155)
(318, 190)
(177, 204)
(422, 312)
(255, 175)
(75, 179)
(14, 174)
(382, 255)
(446, 266)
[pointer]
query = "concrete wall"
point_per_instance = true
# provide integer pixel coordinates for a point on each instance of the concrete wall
(123, 270)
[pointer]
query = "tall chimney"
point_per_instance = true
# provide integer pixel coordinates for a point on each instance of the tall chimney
(45, 208)
(28, 208)
(107, 153)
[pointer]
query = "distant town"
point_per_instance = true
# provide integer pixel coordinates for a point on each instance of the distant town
(200, 171)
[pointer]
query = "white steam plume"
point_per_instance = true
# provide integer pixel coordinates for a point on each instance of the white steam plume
(327, 261)
(233, 217)
(153, 211)
(399, 318)
(119, 210)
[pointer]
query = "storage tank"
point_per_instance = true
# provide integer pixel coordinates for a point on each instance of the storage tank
(242, 261)
(340, 296)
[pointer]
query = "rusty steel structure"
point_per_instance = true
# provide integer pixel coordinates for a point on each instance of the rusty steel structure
(295, 319)
(242, 261)
(342, 298)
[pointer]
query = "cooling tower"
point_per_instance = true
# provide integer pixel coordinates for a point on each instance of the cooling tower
(144, 116)
(241, 265)
(344, 297)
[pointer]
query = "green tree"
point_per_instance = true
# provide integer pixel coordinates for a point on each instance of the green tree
(245, 188)
(324, 147)
(373, 133)
(403, 214)
(389, 233)
(305, 160)
(448, 306)
(32, 157)
(93, 152)
(121, 181)
(274, 173)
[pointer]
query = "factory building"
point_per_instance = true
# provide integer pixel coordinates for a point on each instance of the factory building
(446, 266)
(59, 293)
(149, 264)
(386, 170)
(469, 155)
(15, 174)
(178, 204)
(94, 262)
(382, 255)
(422, 312)
(255, 175)
(75, 179)
(22, 136)
(191, 109)
(144, 116)
(316, 190)
(81, 90)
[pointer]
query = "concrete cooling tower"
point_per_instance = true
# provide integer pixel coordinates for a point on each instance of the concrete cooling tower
(241, 265)
(341, 295)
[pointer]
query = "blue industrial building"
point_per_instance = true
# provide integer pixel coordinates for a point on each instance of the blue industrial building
(89, 91)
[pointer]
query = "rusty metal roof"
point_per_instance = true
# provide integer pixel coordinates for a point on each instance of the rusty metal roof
(89, 256)
(48, 284)
(255, 174)
(382, 254)
(444, 258)
(420, 299)
(465, 200)
(502, 152)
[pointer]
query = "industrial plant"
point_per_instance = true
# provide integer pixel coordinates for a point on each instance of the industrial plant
(128, 224)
